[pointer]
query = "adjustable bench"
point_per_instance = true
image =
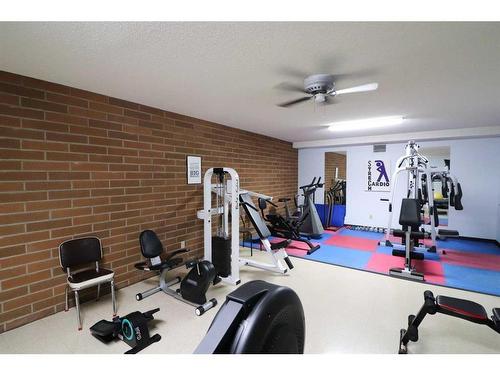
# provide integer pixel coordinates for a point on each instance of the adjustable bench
(459, 308)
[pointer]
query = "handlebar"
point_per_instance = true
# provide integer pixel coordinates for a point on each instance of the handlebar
(313, 184)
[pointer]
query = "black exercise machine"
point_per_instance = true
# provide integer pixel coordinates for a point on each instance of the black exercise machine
(410, 220)
(333, 196)
(311, 225)
(257, 318)
(279, 226)
(459, 308)
(131, 329)
(193, 287)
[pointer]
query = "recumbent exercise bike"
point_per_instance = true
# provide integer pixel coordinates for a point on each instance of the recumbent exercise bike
(193, 286)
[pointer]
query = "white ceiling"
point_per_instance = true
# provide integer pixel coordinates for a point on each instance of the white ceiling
(438, 75)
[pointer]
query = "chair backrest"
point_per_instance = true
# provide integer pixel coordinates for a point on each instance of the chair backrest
(410, 213)
(151, 246)
(80, 251)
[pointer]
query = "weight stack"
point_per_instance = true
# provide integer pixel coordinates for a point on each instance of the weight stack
(221, 255)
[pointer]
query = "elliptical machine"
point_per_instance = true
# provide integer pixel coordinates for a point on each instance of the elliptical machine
(311, 223)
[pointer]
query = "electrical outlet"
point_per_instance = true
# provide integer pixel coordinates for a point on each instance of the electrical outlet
(183, 244)
(370, 216)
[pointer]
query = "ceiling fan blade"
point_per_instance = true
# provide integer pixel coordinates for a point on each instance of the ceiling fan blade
(296, 101)
(287, 86)
(362, 88)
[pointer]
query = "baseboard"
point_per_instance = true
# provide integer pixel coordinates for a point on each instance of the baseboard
(480, 239)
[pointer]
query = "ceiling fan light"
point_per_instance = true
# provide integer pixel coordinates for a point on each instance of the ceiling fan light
(370, 123)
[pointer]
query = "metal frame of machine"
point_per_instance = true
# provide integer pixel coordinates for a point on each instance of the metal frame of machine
(415, 165)
(227, 205)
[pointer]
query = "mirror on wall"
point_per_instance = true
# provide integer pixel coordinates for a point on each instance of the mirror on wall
(335, 189)
(439, 157)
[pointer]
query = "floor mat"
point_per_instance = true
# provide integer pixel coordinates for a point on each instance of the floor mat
(459, 263)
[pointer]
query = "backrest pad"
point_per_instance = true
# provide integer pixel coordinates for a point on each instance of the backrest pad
(150, 244)
(80, 251)
(410, 212)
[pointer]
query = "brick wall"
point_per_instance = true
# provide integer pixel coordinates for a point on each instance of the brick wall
(76, 163)
(332, 161)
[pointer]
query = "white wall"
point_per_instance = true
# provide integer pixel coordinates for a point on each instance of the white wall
(475, 162)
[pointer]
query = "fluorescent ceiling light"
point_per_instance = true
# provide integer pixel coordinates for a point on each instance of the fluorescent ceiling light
(369, 123)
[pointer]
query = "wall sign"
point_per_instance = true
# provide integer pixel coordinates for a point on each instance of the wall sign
(193, 169)
(378, 175)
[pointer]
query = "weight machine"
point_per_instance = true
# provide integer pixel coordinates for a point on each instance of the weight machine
(416, 166)
(223, 248)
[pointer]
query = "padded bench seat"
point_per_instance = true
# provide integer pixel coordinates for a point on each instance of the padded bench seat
(462, 308)
(90, 277)
(414, 235)
(447, 233)
(170, 263)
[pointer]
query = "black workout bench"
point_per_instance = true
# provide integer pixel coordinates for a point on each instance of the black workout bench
(459, 308)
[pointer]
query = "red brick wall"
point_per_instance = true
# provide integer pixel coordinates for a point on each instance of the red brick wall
(75, 163)
(334, 160)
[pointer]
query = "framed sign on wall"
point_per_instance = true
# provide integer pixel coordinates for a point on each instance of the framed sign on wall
(193, 169)
(378, 175)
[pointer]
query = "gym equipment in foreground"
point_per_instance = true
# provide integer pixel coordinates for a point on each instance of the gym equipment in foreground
(459, 308)
(280, 227)
(194, 285)
(131, 329)
(257, 318)
(410, 220)
(79, 253)
(223, 248)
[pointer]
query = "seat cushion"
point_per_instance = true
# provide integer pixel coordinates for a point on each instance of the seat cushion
(169, 264)
(87, 278)
(462, 307)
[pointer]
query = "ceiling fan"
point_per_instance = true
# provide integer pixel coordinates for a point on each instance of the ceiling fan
(321, 87)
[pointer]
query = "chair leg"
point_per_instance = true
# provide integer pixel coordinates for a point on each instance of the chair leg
(77, 303)
(66, 298)
(98, 292)
(113, 298)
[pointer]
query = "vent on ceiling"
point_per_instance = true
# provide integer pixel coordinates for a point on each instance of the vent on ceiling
(379, 148)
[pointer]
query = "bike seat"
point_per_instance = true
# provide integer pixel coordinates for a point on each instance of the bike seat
(169, 263)
(284, 199)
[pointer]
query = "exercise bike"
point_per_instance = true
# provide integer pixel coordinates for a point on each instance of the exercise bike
(279, 226)
(193, 286)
